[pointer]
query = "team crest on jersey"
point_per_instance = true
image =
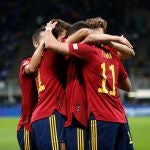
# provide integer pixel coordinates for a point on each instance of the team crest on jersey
(75, 46)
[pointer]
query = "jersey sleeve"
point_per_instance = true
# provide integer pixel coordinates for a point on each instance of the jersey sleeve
(82, 51)
(24, 63)
(122, 72)
(28, 92)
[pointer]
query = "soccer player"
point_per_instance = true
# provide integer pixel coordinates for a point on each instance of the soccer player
(75, 97)
(124, 52)
(48, 116)
(76, 123)
(29, 98)
(104, 105)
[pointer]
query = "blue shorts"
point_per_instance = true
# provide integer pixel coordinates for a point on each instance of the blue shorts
(129, 138)
(108, 135)
(25, 139)
(48, 133)
(76, 138)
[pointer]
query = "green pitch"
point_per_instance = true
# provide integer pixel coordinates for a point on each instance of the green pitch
(140, 129)
(8, 140)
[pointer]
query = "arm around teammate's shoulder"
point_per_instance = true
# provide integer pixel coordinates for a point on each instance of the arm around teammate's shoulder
(79, 35)
(51, 43)
(124, 52)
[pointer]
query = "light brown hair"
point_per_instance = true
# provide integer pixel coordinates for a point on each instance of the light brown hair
(97, 22)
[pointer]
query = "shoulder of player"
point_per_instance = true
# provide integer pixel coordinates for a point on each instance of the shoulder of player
(81, 46)
(25, 62)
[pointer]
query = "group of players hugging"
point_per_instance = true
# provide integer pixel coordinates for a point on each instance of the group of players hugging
(70, 89)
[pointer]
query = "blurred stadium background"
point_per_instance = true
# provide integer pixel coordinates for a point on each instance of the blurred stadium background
(20, 18)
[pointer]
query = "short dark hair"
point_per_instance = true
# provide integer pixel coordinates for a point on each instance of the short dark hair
(60, 27)
(36, 34)
(78, 25)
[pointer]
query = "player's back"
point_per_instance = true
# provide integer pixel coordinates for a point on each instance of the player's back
(50, 82)
(101, 75)
(101, 71)
(75, 94)
(29, 94)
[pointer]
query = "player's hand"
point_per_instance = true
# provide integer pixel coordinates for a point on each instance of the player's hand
(124, 41)
(50, 25)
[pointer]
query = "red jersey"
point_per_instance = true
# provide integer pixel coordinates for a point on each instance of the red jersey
(101, 70)
(50, 84)
(75, 94)
(29, 95)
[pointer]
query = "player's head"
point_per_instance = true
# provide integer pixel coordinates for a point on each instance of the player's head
(38, 36)
(60, 29)
(77, 26)
(97, 23)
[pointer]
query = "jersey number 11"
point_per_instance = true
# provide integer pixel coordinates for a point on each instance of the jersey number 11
(103, 89)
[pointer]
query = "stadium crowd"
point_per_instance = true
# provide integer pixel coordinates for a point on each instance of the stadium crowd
(20, 18)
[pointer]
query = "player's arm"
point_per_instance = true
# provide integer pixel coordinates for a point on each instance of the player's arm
(123, 51)
(79, 35)
(82, 51)
(105, 38)
(51, 43)
(124, 82)
(35, 60)
(125, 85)
(121, 44)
